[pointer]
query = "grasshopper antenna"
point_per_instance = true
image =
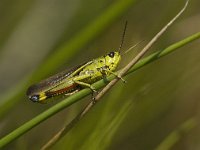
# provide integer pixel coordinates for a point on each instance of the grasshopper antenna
(132, 47)
(123, 35)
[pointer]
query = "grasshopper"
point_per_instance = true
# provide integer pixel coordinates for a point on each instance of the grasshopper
(75, 79)
(71, 81)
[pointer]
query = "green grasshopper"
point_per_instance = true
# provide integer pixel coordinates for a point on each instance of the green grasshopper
(71, 81)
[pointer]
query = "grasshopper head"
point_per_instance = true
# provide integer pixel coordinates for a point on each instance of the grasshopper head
(112, 59)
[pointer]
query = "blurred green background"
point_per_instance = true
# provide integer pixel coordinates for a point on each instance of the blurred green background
(152, 107)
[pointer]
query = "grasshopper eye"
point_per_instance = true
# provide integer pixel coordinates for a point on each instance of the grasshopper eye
(111, 54)
(34, 98)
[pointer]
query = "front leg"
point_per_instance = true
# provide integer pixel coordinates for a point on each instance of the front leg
(105, 70)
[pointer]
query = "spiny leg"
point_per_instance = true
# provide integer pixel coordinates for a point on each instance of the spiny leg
(69, 94)
(86, 85)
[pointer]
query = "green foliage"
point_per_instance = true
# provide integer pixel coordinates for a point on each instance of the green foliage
(137, 115)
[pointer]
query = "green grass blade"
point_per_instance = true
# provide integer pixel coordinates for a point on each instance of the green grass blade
(176, 135)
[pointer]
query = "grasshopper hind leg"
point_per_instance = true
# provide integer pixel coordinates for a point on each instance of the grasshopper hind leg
(86, 85)
(94, 91)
